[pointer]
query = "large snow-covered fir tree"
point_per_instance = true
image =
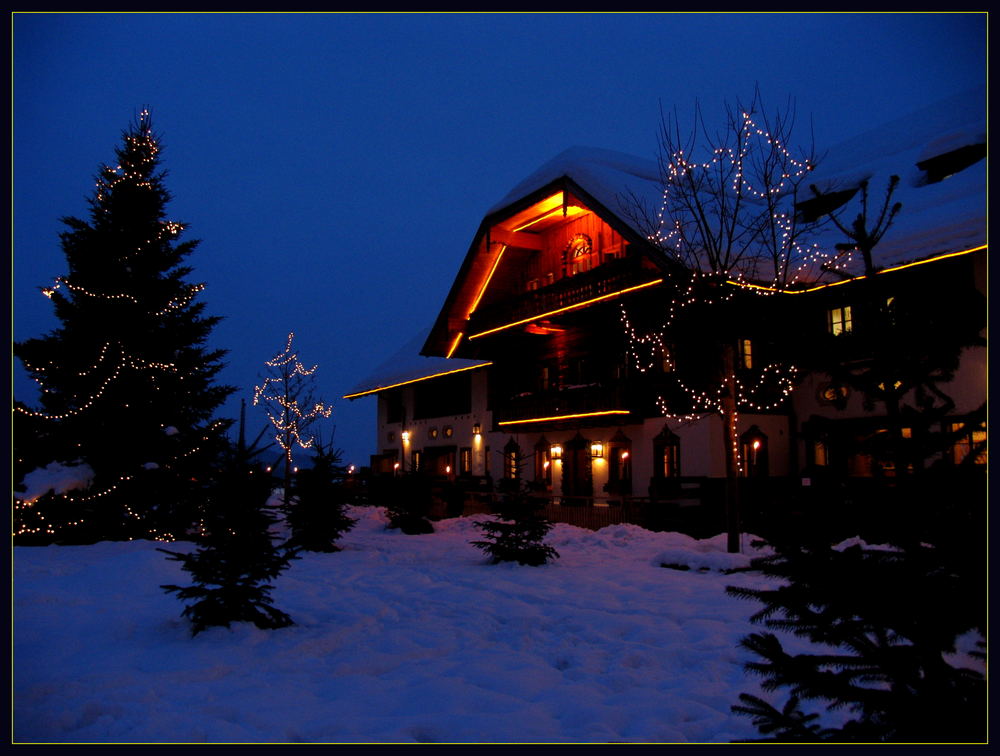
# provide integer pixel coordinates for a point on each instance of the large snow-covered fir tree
(127, 382)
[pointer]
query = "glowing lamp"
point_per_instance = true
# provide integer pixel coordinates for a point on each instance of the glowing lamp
(624, 456)
(756, 444)
(477, 430)
(545, 465)
(447, 469)
(405, 435)
(395, 466)
(556, 451)
(597, 450)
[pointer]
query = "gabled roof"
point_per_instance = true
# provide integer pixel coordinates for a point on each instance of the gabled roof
(608, 183)
(610, 177)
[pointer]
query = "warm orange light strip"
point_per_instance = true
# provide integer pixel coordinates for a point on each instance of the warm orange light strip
(482, 290)
(454, 345)
(415, 380)
(565, 417)
(743, 285)
(567, 308)
(569, 212)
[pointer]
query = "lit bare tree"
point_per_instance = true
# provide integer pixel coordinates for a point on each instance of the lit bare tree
(729, 223)
(287, 396)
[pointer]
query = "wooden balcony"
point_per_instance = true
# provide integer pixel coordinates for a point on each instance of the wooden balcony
(571, 400)
(606, 279)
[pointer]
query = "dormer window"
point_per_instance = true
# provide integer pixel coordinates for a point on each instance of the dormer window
(814, 208)
(940, 167)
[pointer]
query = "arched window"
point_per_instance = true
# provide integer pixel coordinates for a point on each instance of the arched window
(578, 255)
(666, 454)
(753, 450)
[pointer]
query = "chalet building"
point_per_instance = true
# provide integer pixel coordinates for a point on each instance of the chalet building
(545, 361)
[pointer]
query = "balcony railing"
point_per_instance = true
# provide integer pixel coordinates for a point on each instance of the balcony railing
(610, 277)
(571, 400)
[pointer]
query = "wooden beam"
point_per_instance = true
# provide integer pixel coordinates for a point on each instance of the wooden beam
(516, 238)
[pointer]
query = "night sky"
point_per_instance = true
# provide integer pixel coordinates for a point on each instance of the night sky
(336, 167)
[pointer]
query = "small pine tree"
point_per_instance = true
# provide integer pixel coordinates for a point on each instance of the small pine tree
(236, 557)
(316, 516)
(519, 533)
(883, 621)
(407, 500)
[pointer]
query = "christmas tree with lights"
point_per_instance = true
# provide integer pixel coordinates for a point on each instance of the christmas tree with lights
(126, 380)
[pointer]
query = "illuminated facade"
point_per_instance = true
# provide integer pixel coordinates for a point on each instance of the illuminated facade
(529, 370)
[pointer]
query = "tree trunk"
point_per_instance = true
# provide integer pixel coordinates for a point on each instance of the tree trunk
(732, 441)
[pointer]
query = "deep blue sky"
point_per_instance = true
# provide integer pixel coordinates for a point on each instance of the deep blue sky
(335, 167)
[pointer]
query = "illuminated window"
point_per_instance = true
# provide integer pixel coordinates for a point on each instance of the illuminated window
(433, 433)
(417, 459)
(511, 460)
(969, 446)
(465, 461)
(543, 462)
(753, 450)
(746, 353)
(620, 464)
(578, 254)
(838, 320)
(821, 454)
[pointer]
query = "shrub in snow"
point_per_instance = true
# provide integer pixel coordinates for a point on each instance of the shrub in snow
(316, 513)
(236, 557)
(407, 500)
(884, 622)
(519, 533)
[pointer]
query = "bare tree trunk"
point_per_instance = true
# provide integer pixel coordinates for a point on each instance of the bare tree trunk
(731, 440)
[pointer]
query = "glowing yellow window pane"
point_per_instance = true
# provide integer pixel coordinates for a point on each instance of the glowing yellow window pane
(839, 320)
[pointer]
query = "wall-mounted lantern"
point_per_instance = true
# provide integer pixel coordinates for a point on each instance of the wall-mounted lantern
(556, 451)
(597, 450)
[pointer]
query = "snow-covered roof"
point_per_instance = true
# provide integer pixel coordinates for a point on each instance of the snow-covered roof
(612, 178)
(946, 216)
(409, 365)
(936, 218)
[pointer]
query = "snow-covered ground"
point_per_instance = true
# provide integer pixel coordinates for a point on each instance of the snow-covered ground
(397, 638)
